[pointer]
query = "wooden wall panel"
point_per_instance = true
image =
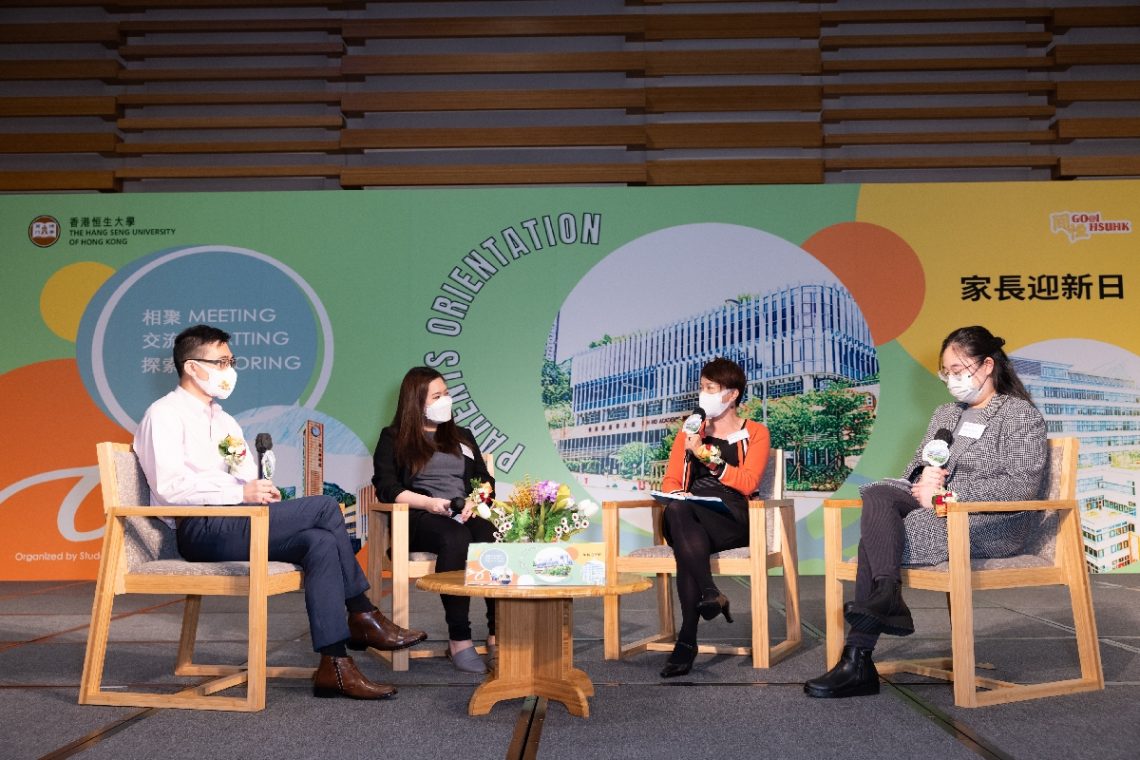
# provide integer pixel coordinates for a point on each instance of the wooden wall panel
(642, 92)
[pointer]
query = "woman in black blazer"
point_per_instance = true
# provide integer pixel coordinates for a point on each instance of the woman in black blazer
(423, 459)
(997, 452)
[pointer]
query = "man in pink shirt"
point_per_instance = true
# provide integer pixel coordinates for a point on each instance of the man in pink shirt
(179, 443)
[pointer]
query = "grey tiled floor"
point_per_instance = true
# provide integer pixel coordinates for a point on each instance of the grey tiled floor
(723, 709)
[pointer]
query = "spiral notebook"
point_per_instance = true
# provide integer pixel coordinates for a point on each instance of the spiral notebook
(714, 503)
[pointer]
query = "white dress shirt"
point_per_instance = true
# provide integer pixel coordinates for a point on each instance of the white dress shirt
(177, 446)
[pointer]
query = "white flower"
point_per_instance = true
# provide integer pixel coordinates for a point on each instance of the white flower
(587, 508)
(483, 511)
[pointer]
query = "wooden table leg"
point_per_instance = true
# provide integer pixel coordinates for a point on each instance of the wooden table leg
(536, 657)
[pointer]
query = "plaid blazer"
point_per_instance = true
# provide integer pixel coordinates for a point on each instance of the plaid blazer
(1006, 463)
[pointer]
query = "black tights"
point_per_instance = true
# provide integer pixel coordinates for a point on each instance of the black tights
(692, 546)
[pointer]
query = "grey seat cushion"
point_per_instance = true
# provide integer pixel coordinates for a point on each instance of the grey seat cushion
(666, 552)
(150, 544)
(183, 567)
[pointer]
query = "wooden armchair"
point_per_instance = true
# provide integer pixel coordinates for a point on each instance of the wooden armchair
(1055, 556)
(388, 554)
(140, 556)
(772, 543)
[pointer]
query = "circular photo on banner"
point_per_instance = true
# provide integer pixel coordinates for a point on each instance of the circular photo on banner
(279, 330)
(624, 356)
(1091, 390)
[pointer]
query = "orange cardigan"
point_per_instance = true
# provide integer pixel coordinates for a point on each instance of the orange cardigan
(752, 452)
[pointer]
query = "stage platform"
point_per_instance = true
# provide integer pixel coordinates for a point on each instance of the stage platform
(723, 709)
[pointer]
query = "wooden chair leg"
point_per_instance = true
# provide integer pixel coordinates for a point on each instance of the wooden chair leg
(832, 586)
(400, 581)
(611, 626)
(758, 572)
(789, 557)
(1071, 551)
(192, 607)
(666, 623)
(962, 610)
(91, 682)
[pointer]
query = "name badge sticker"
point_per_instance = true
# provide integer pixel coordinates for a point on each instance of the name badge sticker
(739, 435)
(467, 452)
(972, 430)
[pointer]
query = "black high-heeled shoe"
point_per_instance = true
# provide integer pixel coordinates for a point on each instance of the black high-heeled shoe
(713, 605)
(680, 662)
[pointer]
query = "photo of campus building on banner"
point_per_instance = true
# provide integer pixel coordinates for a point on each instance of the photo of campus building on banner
(1102, 410)
(634, 389)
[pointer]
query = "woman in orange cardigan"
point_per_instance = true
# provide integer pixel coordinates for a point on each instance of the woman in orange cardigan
(724, 458)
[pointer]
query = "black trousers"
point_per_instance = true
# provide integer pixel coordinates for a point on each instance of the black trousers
(881, 541)
(448, 541)
(308, 532)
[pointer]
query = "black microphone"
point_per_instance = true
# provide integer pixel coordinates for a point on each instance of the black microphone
(692, 423)
(936, 452)
(266, 459)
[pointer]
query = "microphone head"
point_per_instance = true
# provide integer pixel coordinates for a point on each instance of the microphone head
(263, 442)
(692, 423)
(944, 434)
(268, 463)
(936, 452)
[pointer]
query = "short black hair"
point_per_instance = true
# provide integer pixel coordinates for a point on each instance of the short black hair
(728, 375)
(191, 339)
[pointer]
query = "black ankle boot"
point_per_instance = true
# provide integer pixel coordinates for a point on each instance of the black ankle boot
(884, 611)
(853, 676)
(680, 662)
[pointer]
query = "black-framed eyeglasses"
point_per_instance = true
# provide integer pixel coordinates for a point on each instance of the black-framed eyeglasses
(224, 363)
(958, 374)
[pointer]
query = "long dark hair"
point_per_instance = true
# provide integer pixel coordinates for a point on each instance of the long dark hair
(977, 343)
(413, 447)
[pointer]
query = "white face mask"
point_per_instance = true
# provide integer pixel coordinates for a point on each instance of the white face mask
(219, 383)
(713, 404)
(439, 410)
(963, 389)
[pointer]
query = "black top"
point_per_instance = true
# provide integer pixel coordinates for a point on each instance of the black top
(390, 480)
(706, 484)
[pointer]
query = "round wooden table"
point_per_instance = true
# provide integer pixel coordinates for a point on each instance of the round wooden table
(534, 629)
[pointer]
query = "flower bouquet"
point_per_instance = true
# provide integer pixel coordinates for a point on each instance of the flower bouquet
(709, 454)
(233, 451)
(537, 512)
(941, 499)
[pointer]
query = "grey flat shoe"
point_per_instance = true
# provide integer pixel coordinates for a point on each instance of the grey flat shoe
(467, 661)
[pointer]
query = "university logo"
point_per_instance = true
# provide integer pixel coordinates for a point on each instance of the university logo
(1082, 225)
(44, 231)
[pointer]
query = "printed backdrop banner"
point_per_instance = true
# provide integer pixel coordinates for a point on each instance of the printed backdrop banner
(570, 324)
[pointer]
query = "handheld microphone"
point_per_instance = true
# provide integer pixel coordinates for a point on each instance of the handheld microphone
(266, 459)
(936, 452)
(692, 423)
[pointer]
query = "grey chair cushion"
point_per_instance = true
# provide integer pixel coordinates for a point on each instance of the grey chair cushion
(666, 552)
(182, 567)
(150, 545)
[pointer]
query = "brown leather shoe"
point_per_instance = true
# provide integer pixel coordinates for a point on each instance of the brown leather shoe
(339, 677)
(371, 629)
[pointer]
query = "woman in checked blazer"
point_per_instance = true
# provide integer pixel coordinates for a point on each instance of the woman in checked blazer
(997, 451)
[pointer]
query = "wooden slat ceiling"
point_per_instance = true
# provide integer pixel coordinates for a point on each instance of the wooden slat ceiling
(332, 94)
